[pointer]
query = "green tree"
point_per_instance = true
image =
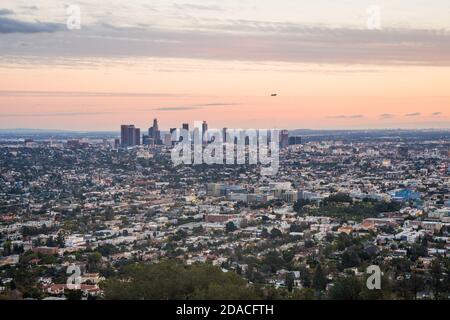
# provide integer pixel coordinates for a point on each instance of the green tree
(319, 278)
(230, 227)
(346, 288)
(94, 261)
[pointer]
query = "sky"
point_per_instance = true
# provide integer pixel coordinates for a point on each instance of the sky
(220, 61)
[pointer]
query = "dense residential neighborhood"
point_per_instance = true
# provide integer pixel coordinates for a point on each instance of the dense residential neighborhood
(76, 214)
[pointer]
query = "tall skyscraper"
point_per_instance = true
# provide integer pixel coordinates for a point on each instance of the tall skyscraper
(186, 126)
(177, 137)
(204, 132)
(284, 138)
(130, 136)
(137, 137)
(154, 133)
(295, 140)
(224, 134)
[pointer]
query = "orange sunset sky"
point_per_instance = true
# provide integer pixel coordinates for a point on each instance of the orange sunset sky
(181, 61)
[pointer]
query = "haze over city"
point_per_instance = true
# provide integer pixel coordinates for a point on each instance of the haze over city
(182, 61)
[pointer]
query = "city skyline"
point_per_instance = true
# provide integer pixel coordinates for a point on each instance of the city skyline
(184, 60)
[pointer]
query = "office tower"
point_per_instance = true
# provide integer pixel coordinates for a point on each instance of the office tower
(116, 143)
(146, 140)
(130, 136)
(125, 139)
(177, 136)
(186, 126)
(137, 137)
(295, 140)
(204, 132)
(168, 139)
(284, 138)
(154, 133)
(224, 134)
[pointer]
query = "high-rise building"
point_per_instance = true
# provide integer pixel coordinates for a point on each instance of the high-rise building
(154, 133)
(224, 134)
(168, 139)
(177, 137)
(116, 143)
(284, 138)
(130, 136)
(204, 132)
(146, 140)
(295, 140)
(186, 126)
(137, 137)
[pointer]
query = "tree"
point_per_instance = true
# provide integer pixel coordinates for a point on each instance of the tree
(436, 274)
(94, 260)
(73, 294)
(290, 281)
(350, 258)
(300, 204)
(346, 288)
(60, 240)
(339, 198)
(50, 242)
(275, 233)
(169, 280)
(230, 227)
(319, 279)
(7, 248)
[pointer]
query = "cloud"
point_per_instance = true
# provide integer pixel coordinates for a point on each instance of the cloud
(8, 25)
(175, 108)
(415, 114)
(387, 116)
(436, 113)
(4, 12)
(354, 116)
(337, 117)
(194, 106)
(197, 7)
(238, 40)
(56, 114)
(81, 94)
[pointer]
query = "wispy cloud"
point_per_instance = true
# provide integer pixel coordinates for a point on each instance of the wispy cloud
(194, 106)
(9, 25)
(193, 6)
(82, 94)
(52, 114)
(415, 114)
(354, 116)
(238, 41)
(436, 113)
(387, 116)
(4, 12)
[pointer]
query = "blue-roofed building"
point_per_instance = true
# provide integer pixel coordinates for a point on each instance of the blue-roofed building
(405, 195)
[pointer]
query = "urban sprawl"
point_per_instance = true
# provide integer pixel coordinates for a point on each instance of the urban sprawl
(114, 218)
